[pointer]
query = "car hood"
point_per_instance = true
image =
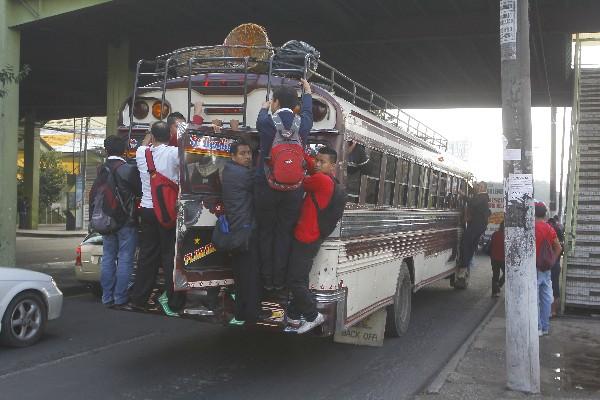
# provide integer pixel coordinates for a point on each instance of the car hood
(20, 274)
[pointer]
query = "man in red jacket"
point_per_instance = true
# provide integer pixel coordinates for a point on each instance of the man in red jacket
(497, 258)
(307, 240)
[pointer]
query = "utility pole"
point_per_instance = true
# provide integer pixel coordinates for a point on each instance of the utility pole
(553, 161)
(522, 342)
(562, 167)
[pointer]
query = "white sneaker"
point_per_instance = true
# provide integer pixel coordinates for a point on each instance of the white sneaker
(293, 323)
(308, 325)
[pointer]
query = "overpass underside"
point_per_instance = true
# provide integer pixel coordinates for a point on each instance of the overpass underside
(418, 53)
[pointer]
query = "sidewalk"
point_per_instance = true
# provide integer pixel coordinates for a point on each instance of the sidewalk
(569, 363)
(50, 231)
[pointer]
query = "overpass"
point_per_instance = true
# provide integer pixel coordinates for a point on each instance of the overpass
(418, 53)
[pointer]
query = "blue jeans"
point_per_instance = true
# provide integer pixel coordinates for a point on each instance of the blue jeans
(545, 299)
(118, 251)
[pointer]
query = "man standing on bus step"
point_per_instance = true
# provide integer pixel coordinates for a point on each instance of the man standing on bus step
(118, 248)
(319, 187)
(157, 244)
(238, 185)
(478, 212)
(277, 211)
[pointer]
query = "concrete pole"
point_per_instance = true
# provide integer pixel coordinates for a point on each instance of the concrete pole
(522, 344)
(119, 82)
(10, 42)
(31, 182)
(562, 165)
(553, 161)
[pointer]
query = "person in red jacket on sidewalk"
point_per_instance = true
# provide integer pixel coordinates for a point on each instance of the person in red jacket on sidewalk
(497, 259)
(307, 240)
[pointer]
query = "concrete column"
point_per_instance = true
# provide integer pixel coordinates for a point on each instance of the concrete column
(119, 82)
(10, 41)
(31, 187)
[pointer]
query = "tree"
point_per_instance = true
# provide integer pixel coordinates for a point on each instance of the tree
(52, 178)
(8, 75)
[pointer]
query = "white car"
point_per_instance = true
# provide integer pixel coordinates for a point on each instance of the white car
(28, 299)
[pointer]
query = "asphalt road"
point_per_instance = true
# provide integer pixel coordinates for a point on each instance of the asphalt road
(37, 250)
(94, 353)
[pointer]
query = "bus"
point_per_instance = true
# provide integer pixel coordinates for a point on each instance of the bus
(403, 222)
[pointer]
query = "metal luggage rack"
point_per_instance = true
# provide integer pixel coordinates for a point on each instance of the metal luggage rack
(190, 61)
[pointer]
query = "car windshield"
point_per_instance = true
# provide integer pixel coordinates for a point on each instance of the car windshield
(204, 159)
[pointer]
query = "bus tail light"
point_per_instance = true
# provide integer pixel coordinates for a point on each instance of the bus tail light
(156, 110)
(224, 110)
(140, 109)
(78, 256)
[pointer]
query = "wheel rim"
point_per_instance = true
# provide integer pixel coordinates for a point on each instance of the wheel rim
(26, 319)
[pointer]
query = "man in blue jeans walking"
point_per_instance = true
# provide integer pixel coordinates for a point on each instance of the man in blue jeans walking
(544, 233)
(118, 249)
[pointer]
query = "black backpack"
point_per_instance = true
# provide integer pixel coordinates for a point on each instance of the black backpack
(109, 213)
(329, 216)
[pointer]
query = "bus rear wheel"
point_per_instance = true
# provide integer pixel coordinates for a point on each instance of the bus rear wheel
(398, 314)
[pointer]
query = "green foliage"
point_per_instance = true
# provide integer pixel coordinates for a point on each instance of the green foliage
(8, 75)
(52, 178)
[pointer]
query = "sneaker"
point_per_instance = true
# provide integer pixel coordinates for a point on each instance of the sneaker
(309, 325)
(497, 294)
(236, 322)
(164, 302)
(545, 333)
(293, 323)
(540, 333)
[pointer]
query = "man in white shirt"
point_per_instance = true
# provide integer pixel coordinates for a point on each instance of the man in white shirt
(157, 244)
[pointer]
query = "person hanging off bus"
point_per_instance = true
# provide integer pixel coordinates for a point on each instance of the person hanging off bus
(238, 183)
(176, 118)
(157, 241)
(322, 208)
(278, 188)
(497, 260)
(478, 212)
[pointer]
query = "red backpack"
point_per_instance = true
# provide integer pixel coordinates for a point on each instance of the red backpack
(164, 194)
(285, 167)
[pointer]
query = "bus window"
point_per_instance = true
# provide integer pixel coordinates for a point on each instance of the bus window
(356, 167)
(390, 180)
(424, 191)
(442, 191)
(373, 174)
(433, 188)
(403, 183)
(454, 192)
(413, 196)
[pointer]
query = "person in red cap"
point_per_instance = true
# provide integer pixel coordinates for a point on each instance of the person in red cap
(545, 241)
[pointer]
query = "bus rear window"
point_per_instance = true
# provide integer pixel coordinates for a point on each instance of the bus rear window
(204, 159)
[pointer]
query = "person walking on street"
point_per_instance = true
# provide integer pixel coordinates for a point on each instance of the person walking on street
(238, 184)
(497, 259)
(277, 210)
(157, 243)
(547, 250)
(119, 246)
(319, 187)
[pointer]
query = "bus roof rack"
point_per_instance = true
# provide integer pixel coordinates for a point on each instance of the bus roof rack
(189, 61)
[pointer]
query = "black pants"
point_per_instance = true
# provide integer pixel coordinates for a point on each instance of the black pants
(470, 240)
(247, 282)
(301, 261)
(157, 248)
(555, 275)
(276, 213)
(497, 280)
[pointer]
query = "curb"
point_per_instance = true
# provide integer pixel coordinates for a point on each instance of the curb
(438, 382)
(52, 234)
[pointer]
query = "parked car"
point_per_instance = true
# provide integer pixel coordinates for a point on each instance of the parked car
(87, 262)
(28, 299)
(88, 259)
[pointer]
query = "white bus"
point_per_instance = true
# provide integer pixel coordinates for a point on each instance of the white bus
(403, 222)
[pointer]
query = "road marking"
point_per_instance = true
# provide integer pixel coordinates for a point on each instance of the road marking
(76, 355)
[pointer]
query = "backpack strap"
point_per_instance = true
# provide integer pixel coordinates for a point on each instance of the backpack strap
(111, 174)
(150, 161)
(278, 123)
(295, 128)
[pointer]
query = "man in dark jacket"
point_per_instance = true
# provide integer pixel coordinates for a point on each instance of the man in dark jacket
(238, 185)
(118, 249)
(478, 212)
(277, 211)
